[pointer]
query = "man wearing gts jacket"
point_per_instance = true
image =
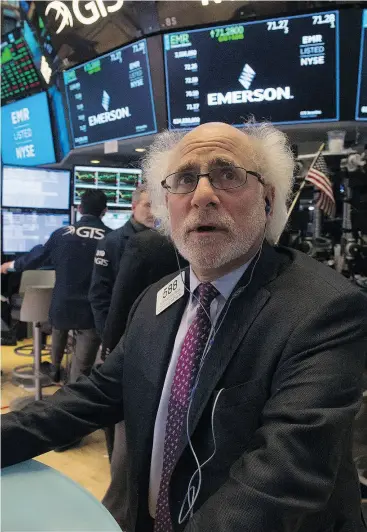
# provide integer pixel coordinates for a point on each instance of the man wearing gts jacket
(70, 251)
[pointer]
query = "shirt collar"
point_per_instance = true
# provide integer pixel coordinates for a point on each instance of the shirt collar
(88, 217)
(225, 285)
(137, 225)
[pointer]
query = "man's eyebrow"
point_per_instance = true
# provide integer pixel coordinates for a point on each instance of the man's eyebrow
(221, 161)
(188, 165)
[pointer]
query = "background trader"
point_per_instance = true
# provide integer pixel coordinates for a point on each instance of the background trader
(70, 251)
(109, 253)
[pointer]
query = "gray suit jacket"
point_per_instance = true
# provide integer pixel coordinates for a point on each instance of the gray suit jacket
(289, 356)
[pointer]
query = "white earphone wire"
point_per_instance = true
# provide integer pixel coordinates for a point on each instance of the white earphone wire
(191, 492)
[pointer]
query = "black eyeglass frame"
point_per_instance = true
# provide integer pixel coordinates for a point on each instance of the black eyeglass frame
(207, 174)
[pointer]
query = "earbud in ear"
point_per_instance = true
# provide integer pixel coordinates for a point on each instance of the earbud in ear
(267, 206)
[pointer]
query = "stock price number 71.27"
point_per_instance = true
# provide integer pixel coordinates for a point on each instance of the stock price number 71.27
(281, 25)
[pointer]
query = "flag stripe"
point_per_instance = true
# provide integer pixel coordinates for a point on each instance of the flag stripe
(318, 176)
(321, 177)
(320, 186)
(326, 205)
(317, 181)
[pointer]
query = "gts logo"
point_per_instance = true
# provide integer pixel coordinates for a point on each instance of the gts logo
(99, 260)
(85, 232)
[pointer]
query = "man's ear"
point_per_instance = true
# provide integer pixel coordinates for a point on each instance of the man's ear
(270, 194)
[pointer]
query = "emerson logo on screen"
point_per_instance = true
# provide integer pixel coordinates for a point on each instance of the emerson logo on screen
(108, 116)
(246, 78)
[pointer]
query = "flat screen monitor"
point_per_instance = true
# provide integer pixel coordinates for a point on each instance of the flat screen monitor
(22, 230)
(111, 97)
(285, 70)
(27, 134)
(36, 188)
(113, 219)
(60, 126)
(361, 105)
(19, 76)
(117, 183)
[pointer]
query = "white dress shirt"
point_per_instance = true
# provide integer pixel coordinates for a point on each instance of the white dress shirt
(225, 286)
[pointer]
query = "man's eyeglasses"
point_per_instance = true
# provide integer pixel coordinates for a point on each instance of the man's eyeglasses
(223, 178)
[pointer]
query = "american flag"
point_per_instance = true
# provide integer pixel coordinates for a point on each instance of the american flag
(318, 175)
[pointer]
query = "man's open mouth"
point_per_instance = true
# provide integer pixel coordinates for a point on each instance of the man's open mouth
(202, 229)
(206, 229)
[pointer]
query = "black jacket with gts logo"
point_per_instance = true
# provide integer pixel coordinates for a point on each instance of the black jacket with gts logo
(70, 251)
(107, 263)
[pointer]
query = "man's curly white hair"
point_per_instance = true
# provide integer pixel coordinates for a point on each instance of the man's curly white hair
(273, 160)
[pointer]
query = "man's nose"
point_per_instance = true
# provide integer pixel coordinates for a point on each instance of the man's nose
(204, 194)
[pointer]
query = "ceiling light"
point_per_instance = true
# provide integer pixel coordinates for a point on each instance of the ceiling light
(140, 150)
(95, 161)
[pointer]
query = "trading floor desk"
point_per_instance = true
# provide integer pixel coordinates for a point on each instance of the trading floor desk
(37, 498)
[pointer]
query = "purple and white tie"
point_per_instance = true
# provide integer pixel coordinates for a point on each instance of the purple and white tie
(184, 378)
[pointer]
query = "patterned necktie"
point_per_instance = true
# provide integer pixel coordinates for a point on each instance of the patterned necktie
(184, 378)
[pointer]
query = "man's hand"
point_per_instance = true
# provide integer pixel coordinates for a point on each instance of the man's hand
(5, 267)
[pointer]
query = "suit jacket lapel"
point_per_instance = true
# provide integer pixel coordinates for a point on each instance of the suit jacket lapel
(239, 315)
(232, 331)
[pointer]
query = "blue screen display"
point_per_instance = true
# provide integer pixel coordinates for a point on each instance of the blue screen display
(26, 132)
(111, 96)
(61, 129)
(283, 70)
(35, 188)
(33, 45)
(23, 230)
(361, 105)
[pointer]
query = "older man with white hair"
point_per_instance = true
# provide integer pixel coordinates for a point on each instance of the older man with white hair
(238, 378)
